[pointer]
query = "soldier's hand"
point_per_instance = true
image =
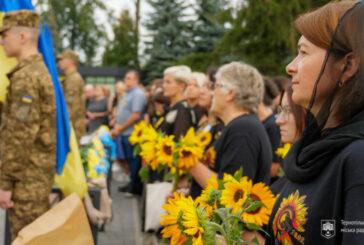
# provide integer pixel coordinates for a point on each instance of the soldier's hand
(5, 199)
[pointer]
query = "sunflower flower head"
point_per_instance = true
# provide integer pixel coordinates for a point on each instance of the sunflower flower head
(188, 156)
(136, 135)
(165, 150)
(235, 194)
(259, 192)
(172, 220)
(148, 153)
(184, 220)
(210, 196)
(204, 138)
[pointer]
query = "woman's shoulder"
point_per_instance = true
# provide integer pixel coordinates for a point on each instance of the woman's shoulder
(352, 160)
(248, 123)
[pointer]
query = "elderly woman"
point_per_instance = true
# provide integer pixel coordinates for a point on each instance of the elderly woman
(193, 94)
(323, 199)
(179, 117)
(243, 141)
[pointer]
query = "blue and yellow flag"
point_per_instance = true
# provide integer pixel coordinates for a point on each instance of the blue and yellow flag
(70, 175)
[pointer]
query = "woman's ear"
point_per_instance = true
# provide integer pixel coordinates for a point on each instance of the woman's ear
(182, 87)
(230, 95)
(351, 66)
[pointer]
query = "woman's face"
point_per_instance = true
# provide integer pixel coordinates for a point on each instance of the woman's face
(171, 87)
(193, 90)
(219, 101)
(206, 95)
(305, 69)
(99, 92)
(287, 122)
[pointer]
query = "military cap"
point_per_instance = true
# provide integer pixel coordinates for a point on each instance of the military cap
(25, 18)
(68, 54)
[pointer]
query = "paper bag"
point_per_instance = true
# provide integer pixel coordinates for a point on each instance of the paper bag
(66, 223)
(155, 198)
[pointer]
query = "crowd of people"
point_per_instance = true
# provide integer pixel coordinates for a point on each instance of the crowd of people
(320, 112)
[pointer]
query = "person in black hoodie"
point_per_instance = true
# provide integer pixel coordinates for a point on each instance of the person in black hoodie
(322, 201)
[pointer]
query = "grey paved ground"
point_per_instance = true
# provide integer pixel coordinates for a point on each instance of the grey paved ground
(2, 226)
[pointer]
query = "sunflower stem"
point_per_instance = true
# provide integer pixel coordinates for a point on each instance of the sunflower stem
(176, 179)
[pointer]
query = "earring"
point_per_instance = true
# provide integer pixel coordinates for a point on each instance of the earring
(341, 83)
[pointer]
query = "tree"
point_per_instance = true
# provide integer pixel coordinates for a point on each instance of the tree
(122, 51)
(171, 33)
(262, 34)
(73, 25)
(208, 31)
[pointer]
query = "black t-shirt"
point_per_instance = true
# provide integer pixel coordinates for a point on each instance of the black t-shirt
(243, 143)
(178, 119)
(215, 130)
(274, 135)
(328, 209)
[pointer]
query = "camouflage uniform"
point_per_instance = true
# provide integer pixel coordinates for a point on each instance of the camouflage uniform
(28, 141)
(73, 89)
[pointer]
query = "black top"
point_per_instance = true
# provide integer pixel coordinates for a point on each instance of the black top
(178, 119)
(199, 112)
(215, 130)
(274, 135)
(323, 196)
(243, 143)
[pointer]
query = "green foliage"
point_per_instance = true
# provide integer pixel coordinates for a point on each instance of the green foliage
(121, 51)
(208, 30)
(73, 25)
(260, 33)
(144, 173)
(172, 35)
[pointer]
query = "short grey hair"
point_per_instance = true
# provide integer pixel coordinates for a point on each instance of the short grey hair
(181, 74)
(200, 78)
(246, 81)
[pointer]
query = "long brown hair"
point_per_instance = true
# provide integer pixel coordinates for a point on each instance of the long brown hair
(319, 25)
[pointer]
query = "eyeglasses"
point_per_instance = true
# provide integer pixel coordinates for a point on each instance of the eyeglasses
(285, 111)
(219, 85)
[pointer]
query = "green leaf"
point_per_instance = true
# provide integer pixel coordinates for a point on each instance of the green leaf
(137, 150)
(144, 173)
(222, 213)
(175, 158)
(254, 206)
(239, 174)
(256, 227)
(212, 226)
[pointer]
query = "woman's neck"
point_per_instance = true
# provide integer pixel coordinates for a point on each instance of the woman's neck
(176, 99)
(232, 114)
(264, 112)
(192, 102)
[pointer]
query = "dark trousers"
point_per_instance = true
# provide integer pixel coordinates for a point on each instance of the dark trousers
(135, 185)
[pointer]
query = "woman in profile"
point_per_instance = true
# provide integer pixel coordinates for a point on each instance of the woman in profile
(324, 168)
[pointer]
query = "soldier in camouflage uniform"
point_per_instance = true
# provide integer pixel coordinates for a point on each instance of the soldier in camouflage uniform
(73, 89)
(28, 129)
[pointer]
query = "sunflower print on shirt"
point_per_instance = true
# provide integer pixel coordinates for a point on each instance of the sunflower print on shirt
(290, 219)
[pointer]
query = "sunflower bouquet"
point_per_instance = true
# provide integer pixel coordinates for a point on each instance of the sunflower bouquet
(161, 151)
(228, 207)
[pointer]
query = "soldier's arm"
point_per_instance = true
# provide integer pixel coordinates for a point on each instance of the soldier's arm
(47, 105)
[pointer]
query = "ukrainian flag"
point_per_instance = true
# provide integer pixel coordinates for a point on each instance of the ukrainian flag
(70, 176)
